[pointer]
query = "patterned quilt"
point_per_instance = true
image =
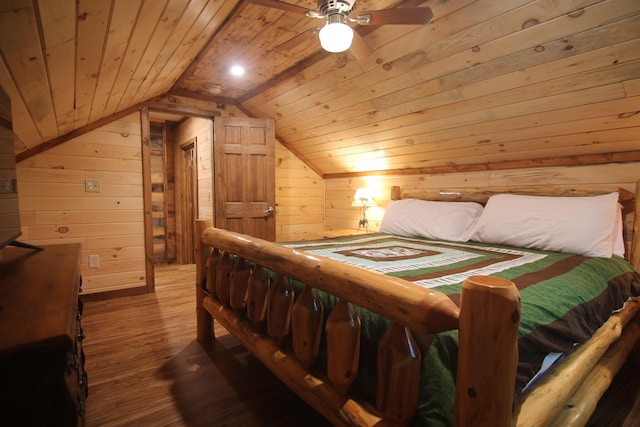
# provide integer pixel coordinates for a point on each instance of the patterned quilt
(565, 298)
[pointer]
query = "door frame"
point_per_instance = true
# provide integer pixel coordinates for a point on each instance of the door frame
(189, 195)
(145, 131)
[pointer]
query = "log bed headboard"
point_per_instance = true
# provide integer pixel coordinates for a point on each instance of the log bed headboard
(629, 200)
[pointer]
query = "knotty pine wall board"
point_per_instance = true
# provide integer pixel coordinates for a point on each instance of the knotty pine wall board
(55, 208)
(339, 191)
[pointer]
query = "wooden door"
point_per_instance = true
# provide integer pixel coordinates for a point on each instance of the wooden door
(244, 176)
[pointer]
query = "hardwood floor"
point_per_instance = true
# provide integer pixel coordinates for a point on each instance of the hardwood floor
(145, 367)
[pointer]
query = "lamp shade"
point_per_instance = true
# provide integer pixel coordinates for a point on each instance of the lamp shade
(336, 37)
(363, 197)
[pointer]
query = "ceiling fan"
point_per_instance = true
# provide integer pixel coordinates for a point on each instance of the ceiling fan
(336, 35)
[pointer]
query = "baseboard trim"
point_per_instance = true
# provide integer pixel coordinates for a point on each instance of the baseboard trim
(118, 293)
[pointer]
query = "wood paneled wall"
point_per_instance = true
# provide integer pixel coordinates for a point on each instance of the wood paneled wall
(299, 197)
(55, 208)
(170, 194)
(339, 192)
(158, 168)
(204, 165)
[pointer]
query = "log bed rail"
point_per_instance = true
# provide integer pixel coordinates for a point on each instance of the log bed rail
(262, 314)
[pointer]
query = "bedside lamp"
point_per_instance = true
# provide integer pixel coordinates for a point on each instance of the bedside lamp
(363, 198)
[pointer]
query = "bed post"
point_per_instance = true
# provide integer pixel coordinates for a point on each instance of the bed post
(488, 351)
(204, 320)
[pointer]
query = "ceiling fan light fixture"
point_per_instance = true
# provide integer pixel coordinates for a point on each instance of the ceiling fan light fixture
(336, 36)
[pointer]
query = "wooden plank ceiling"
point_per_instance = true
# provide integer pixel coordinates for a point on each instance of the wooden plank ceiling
(486, 84)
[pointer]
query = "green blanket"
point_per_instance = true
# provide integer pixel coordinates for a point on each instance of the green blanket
(565, 298)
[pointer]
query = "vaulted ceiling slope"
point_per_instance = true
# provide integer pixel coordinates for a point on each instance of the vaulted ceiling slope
(485, 84)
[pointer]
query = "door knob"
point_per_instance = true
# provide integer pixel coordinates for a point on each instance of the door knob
(269, 210)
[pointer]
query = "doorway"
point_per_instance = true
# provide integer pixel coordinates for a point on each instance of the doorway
(189, 192)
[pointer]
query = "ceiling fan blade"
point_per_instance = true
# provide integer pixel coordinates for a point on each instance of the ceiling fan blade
(399, 16)
(287, 7)
(359, 47)
(303, 38)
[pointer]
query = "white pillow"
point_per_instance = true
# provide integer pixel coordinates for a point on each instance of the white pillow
(434, 220)
(577, 225)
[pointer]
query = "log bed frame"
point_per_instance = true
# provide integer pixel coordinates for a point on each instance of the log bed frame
(238, 298)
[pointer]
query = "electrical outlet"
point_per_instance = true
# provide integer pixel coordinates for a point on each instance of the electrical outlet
(94, 261)
(92, 185)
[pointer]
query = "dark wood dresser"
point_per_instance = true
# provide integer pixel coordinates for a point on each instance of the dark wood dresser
(42, 377)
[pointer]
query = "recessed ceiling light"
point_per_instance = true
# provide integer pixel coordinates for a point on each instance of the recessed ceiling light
(237, 70)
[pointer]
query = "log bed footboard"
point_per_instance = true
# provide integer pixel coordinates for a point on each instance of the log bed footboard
(409, 306)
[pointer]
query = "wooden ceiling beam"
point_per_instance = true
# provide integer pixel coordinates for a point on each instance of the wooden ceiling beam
(171, 103)
(580, 160)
